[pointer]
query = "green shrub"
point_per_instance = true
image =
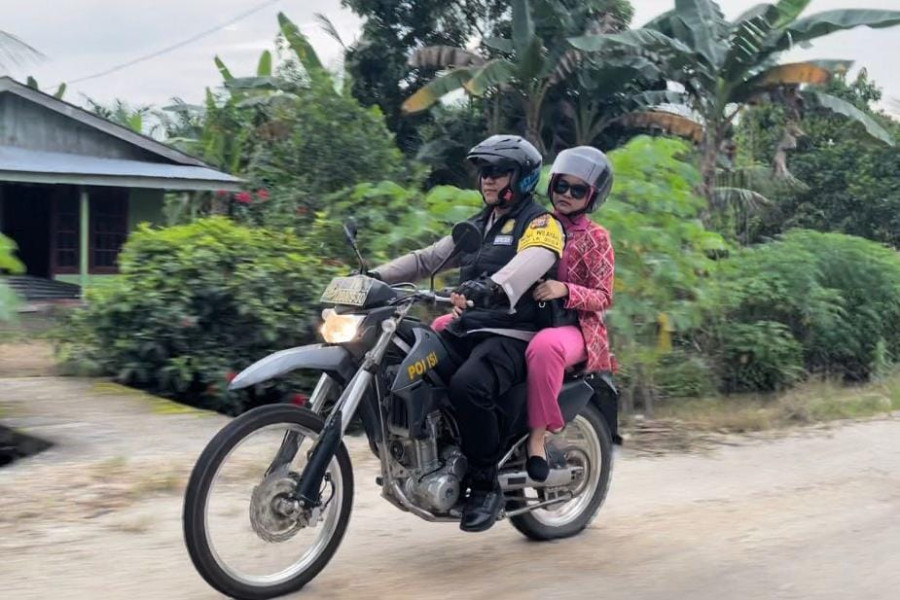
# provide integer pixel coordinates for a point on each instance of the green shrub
(685, 375)
(8, 263)
(194, 303)
(316, 144)
(836, 296)
(760, 356)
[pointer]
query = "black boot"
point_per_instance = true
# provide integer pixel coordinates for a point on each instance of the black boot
(483, 504)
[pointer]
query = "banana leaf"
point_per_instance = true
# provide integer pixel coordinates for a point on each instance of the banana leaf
(668, 122)
(492, 74)
(438, 87)
(223, 70)
(264, 68)
(816, 99)
(817, 25)
(522, 26)
(443, 57)
(705, 29)
(300, 45)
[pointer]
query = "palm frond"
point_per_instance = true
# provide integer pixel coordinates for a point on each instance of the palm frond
(747, 200)
(14, 51)
(328, 27)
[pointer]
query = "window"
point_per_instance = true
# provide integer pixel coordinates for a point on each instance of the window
(65, 233)
(109, 228)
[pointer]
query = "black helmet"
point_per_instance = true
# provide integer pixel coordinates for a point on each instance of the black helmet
(515, 153)
(586, 163)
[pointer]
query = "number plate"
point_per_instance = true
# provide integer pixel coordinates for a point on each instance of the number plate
(348, 291)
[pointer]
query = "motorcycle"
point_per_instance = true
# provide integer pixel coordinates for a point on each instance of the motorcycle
(269, 498)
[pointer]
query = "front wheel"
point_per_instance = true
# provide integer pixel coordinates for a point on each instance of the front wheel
(586, 443)
(244, 534)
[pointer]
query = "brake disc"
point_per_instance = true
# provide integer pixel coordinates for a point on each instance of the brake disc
(270, 524)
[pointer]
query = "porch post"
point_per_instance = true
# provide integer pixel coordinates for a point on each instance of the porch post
(84, 237)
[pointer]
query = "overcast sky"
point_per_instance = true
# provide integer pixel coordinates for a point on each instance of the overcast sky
(83, 37)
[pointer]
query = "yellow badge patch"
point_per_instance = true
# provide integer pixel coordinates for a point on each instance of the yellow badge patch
(544, 232)
(539, 222)
(508, 226)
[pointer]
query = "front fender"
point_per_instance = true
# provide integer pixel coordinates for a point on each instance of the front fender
(335, 360)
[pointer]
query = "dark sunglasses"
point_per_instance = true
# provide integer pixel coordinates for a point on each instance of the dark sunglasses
(577, 191)
(492, 172)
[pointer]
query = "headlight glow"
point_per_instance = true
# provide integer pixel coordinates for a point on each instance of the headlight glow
(340, 329)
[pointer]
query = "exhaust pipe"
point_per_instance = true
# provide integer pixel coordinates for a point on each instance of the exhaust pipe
(519, 480)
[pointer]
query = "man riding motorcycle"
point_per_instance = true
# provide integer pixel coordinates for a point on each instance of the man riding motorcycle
(521, 243)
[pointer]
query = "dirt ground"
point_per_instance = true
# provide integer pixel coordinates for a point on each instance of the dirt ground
(810, 514)
(26, 359)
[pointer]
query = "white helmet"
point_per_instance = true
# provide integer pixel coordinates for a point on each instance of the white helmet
(590, 165)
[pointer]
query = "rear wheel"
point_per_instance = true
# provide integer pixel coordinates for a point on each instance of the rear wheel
(586, 443)
(244, 534)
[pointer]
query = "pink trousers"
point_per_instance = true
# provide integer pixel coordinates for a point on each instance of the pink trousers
(547, 356)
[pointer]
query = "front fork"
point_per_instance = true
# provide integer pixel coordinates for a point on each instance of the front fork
(292, 439)
(309, 487)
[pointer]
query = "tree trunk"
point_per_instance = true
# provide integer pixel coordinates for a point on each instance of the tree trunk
(494, 115)
(788, 142)
(533, 125)
(708, 172)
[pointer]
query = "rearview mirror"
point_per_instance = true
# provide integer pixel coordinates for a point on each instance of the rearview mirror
(466, 237)
(350, 230)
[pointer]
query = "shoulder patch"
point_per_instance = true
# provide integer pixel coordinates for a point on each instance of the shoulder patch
(544, 232)
(539, 222)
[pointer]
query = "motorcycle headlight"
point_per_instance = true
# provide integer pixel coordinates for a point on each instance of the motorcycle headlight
(340, 329)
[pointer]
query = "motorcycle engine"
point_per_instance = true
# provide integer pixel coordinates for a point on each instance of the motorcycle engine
(439, 490)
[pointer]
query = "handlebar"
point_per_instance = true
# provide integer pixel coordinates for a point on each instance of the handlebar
(433, 297)
(442, 297)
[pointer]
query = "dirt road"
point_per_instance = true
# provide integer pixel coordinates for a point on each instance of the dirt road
(812, 514)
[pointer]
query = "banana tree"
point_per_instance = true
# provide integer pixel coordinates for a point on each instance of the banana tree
(525, 64)
(723, 66)
(121, 112)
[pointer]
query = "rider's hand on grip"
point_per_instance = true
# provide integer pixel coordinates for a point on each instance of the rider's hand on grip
(482, 293)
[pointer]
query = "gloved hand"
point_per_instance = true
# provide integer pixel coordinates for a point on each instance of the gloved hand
(483, 293)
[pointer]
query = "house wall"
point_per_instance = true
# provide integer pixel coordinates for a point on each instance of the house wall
(145, 206)
(27, 125)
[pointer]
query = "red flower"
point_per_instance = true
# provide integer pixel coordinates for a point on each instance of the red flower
(221, 193)
(244, 198)
(229, 376)
(262, 195)
(299, 399)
